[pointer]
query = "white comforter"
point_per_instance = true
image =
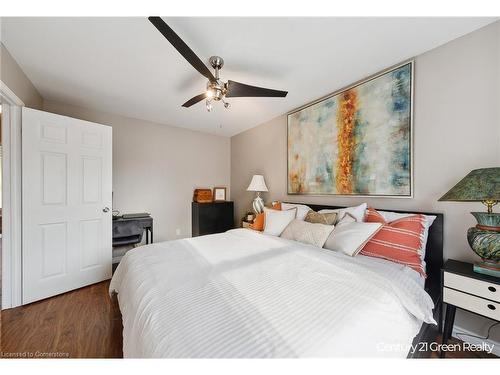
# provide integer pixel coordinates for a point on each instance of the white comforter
(245, 294)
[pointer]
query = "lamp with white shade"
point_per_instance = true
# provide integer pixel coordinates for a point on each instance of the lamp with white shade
(259, 185)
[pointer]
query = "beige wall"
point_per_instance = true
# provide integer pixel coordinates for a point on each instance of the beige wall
(156, 167)
(456, 129)
(15, 79)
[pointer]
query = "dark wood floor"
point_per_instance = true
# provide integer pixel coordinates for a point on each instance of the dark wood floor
(84, 323)
(459, 354)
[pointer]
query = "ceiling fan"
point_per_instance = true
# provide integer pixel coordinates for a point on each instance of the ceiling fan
(217, 90)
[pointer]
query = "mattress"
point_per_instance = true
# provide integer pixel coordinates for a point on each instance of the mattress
(242, 294)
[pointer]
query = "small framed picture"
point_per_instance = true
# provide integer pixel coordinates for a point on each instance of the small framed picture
(219, 194)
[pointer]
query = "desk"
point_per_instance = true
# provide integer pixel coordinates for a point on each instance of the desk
(130, 231)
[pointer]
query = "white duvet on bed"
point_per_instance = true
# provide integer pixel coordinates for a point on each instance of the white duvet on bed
(245, 294)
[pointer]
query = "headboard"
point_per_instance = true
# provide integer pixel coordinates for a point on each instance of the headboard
(433, 250)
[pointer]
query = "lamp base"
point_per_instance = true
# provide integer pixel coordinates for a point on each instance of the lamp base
(487, 268)
(484, 239)
(258, 204)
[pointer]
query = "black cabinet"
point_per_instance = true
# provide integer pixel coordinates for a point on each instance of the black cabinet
(209, 218)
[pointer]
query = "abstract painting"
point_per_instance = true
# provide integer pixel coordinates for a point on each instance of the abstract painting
(356, 141)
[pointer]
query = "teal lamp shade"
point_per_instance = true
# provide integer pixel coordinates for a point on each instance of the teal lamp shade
(480, 185)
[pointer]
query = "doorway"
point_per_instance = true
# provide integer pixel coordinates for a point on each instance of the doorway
(10, 285)
(1, 168)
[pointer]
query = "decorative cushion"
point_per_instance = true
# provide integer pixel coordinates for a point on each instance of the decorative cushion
(358, 212)
(347, 219)
(258, 223)
(351, 237)
(429, 219)
(276, 221)
(308, 233)
(302, 209)
(276, 205)
(316, 217)
(398, 241)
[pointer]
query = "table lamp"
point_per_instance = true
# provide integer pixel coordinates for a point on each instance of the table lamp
(482, 185)
(259, 185)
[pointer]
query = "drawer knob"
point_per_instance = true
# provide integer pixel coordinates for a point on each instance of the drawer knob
(491, 307)
(492, 289)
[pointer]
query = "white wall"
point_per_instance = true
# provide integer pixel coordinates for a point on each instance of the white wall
(156, 167)
(14, 78)
(456, 129)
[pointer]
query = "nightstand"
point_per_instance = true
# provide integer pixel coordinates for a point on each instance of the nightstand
(468, 290)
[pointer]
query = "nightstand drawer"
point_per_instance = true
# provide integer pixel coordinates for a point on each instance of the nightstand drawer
(472, 303)
(469, 285)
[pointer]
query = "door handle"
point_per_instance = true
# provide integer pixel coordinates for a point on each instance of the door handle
(105, 209)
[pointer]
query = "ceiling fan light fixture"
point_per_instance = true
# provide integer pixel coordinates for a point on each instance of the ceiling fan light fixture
(216, 88)
(209, 106)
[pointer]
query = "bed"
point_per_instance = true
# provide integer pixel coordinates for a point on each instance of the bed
(243, 294)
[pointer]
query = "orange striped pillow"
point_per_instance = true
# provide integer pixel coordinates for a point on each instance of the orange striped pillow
(398, 241)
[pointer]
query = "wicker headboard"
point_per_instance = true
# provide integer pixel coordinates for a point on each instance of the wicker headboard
(433, 250)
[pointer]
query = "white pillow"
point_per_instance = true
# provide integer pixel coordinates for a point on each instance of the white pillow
(429, 219)
(310, 233)
(358, 212)
(347, 219)
(302, 209)
(275, 221)
(350, 238)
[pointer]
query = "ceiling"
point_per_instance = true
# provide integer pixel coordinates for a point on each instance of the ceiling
(125, 66)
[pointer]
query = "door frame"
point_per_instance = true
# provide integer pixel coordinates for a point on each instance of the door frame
(11, 198)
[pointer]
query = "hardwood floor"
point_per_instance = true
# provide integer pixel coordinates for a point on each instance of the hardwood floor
(84, 323)
(460, 354)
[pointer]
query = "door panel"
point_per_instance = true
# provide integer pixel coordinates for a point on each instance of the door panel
(54, 133)
(54, 249)
(54, 171)
(91, 179)
(90, 232)
(67, 237)
(92, 139)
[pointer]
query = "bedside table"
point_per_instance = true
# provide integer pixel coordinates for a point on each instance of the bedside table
(468, 290)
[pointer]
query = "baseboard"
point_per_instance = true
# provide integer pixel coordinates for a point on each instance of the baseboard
(474, 340)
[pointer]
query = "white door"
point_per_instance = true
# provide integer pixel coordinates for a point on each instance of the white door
(66, 204)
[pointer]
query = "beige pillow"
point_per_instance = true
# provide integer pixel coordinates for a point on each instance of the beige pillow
(325, 218)
(308, 233)
(351, 237)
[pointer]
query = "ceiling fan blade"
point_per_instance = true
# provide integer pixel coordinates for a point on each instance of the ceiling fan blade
(236, 89)
(181, 47)
(195, 99)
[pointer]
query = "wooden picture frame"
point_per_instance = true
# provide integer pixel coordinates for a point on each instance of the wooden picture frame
(219, 194)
